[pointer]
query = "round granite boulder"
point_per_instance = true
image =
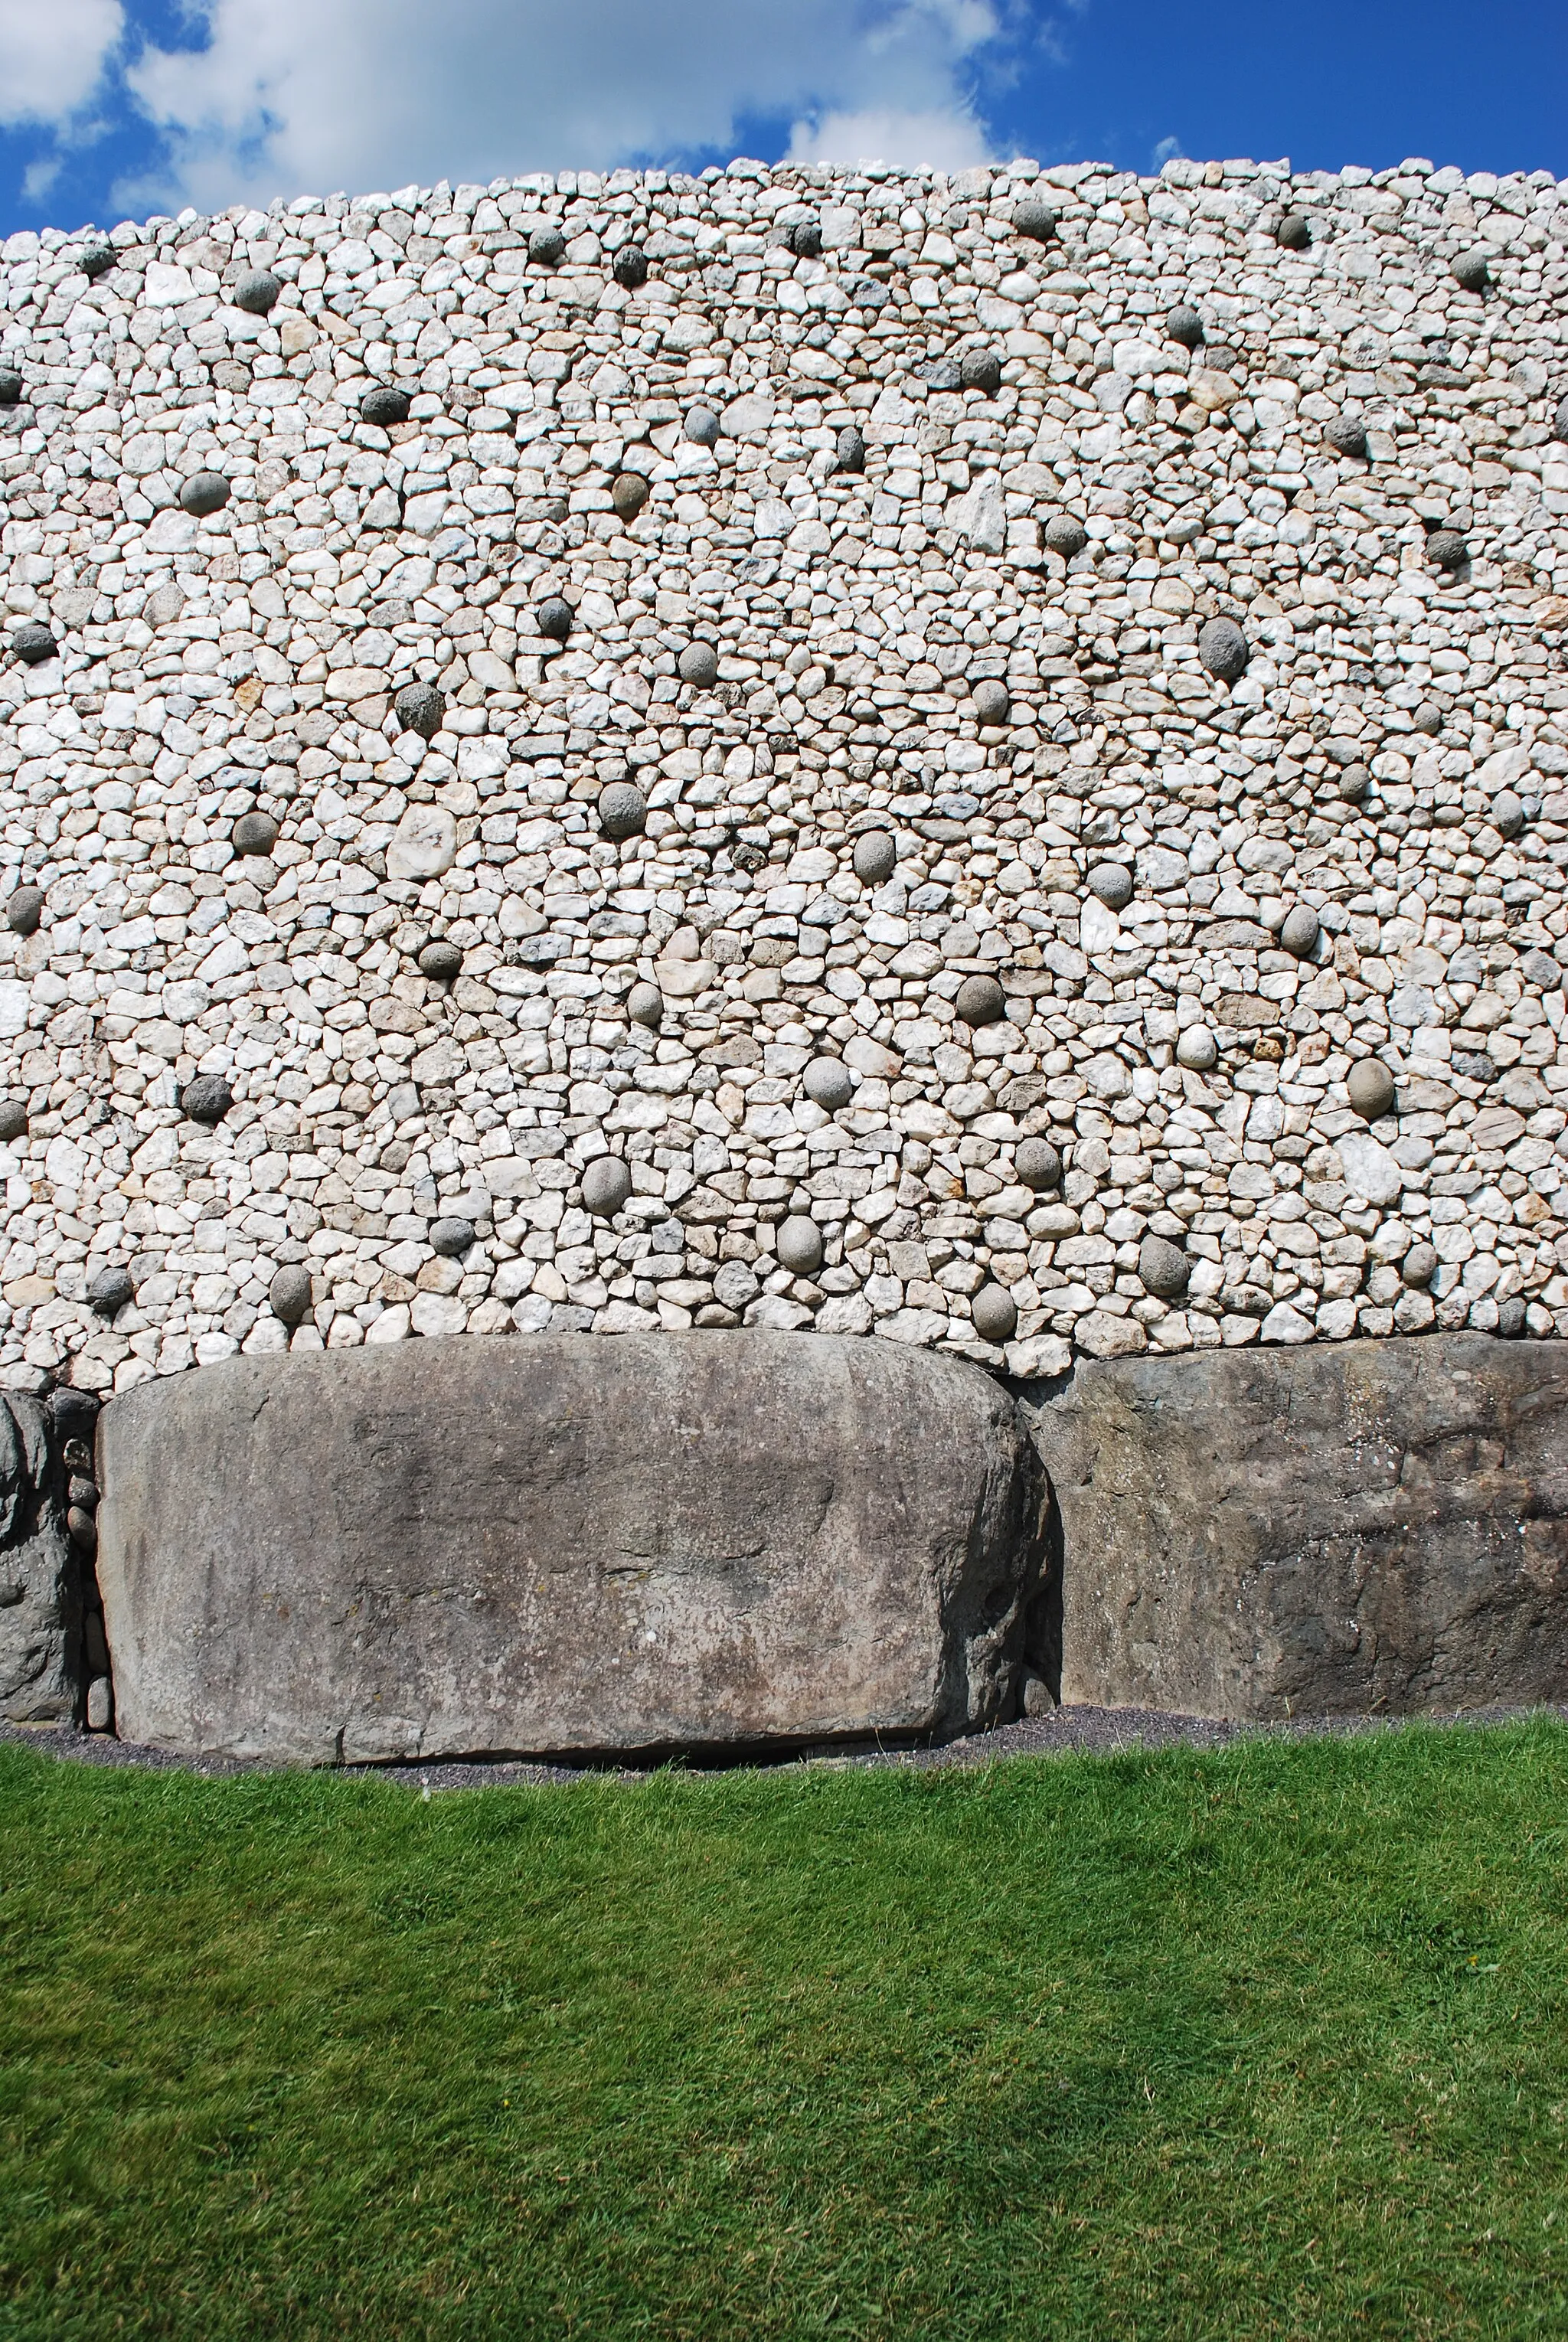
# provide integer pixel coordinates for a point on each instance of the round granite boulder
(1346, 434)
(96, 261)
(451, 1237)
(981, 370)
(1112, 883)
(1294, 232)
(980, 1001)
(994, 1313)
(645, 1005)
(826, 1082)
(623, 809)
(993, 701)
(1185, 324)
(546, 246)
(702, 426)
(34, 643)
(257, 292)
(11, 388)
(1222, 648)
(875, 856)
(289, 1295)
(254, 832)
(206, 1099)
(1037, 1165)
(109, 1291)
(849, 450)
(1034, 219)
(1065, 535)
(1559, 421)
(1507, 814)
(25, 911)
(13, 1119)
(1353, 784)
(1471, 272)
(1164, 1267)
(1419, 1265)
(384, 406)
(441, 961)
(1300, 930)
(629, 494)
(798, 1244)
(630, 267)
(553, 618)
(699, 663)
(420, 708)
(1447, 548)
(1370, 1088)
(1197, 1049)
(806, 239)
(606, 1185)
(205, 493)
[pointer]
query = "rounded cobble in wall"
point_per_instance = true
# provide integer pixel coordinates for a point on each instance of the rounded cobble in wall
(25, 911)
(34, 644)
(420, 708)
(206, 1099)
(257, 291)
(384, 406)
(623, 810)
(606, 1186)
(205, 493)
(289, 1295)
(875, 856)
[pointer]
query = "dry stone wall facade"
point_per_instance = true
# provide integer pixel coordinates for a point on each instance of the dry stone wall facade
(980, 760)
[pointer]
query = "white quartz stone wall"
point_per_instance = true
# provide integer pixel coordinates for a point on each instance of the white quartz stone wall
(250, 660)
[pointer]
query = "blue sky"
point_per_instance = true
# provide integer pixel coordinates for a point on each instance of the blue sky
(113, 108)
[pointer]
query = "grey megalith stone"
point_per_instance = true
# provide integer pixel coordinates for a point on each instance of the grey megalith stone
(1262, 1533)
(566, 1543)
(40, 1605)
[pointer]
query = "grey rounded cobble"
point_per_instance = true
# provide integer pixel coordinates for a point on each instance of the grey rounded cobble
(290, 1295)
(206, 1098)
(205, 493)
(623, 810)
(606, 1186)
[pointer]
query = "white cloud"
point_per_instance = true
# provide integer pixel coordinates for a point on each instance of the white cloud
(293, 96)
(934, 141)
(51, 54)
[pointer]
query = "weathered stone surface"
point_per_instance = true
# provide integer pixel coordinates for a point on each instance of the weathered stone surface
(566, 1543)
(1324, 1530)
(40, 1612)
(875, 854)
(699, 663)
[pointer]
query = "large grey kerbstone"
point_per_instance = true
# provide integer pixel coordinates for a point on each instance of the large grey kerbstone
(566, 1543)
(1330, 1530)
(40, 1600)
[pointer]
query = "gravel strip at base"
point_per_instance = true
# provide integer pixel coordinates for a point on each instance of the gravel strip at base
(1067, 1731)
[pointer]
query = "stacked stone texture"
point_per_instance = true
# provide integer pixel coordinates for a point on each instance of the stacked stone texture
(835, 872)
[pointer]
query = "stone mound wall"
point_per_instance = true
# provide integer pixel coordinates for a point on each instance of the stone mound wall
(836, 872)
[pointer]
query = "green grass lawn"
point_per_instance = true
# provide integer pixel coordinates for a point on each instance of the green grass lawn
(1269, 2041)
